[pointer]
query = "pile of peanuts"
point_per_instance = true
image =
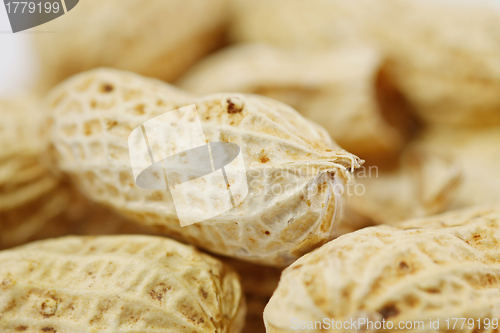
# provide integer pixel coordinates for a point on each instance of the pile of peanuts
(379, 120)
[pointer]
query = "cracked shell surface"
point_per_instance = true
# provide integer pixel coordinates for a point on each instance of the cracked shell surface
(436, 267)
(92, 115)
(117, 284)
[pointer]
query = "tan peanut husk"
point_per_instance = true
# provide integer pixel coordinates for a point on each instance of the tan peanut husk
(341, 89)
(477, 152)
(160, 39)
(93, 114)
(117, 283)
(438, 267)
(444, 56)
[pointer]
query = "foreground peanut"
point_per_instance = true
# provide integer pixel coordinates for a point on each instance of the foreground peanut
(425, 183)
(445, 64)
(292, 166)
(438, 267)
(116, 284)
(341, 89)
(159, 38)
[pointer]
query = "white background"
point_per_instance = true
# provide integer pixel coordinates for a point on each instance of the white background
(18, 66)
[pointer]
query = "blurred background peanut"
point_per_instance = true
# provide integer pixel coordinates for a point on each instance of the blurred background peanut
(444, 55)
(34, 201)
(160, 38)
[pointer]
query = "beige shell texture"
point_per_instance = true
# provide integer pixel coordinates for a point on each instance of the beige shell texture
(292, 166)
(341, 89)
(477, 152)
(397, 274)
(259, 283)
(160, 39)
(117, 284)
(446, 65)
(425, 183)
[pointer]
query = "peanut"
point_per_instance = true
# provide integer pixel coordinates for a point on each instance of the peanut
(160, 38)
(438, 267)
(116, 284)
(93, 114)
(339, 88)
(450, 75)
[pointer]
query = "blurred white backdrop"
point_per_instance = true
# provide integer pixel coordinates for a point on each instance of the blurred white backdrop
(18, 65)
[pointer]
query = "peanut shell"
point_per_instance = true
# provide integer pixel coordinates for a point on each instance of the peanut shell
(93, 114)
(117, 284)
(438, 267)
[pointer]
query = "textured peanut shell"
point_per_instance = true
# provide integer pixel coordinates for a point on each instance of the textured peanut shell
(117, 284)
(93, 113)
(447, 64)
(425, 183)
(337, 88)
(419, 271)
(158, 38)
(477, 152)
